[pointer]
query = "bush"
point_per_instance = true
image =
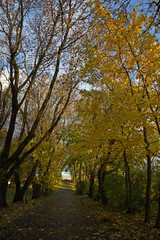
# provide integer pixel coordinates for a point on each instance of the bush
(138, 190)
(115, 188)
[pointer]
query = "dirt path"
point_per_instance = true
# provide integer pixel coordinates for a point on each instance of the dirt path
(60, 217)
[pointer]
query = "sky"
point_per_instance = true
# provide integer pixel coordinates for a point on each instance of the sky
(66, 174)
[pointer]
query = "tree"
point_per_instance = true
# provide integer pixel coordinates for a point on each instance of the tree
(39, 38)
(122, 50)
(5, 105)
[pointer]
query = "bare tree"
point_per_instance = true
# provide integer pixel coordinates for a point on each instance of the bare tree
(38, 38)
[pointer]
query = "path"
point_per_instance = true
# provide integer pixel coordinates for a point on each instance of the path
(60, 217)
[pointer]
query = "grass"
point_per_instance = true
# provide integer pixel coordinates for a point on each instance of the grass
(28, 195)
(65, 184)
(11, 193)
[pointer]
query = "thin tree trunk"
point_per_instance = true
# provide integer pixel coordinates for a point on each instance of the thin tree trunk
(80, 172)
(74, 173)
(128, 184)
(99, 180)
(29, 180)
(36, 191)
(104, 192)
(157, 225)
(148, 191)
(91, 185)
(149, 176)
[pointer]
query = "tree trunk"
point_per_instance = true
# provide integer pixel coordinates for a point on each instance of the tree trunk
(149, 176)
(3, 192)
(157, 225)
(91, 185)
(3, 187)
(36, 191)
(74, 173)
(101, 187)
(128, 184)
(80, 172)
(18, 194)
(148, 191)
(84, 175)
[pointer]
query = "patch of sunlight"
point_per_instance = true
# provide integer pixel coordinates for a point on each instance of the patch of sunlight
(66, 184)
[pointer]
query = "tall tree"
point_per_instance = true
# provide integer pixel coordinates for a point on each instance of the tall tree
(125, 52)
(38, 37)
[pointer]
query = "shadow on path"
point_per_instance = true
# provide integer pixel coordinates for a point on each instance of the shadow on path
(60, 217)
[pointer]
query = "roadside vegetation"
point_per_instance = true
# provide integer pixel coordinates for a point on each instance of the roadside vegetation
(80, 90)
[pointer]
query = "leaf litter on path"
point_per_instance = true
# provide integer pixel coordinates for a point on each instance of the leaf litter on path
(60, 217)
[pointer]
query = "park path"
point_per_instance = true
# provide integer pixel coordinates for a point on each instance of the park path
(60, 217)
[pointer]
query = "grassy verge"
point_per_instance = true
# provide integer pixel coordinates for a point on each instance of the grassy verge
(11, 193)
(65, 184)
(119, 225)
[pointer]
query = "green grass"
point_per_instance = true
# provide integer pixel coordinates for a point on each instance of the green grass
(65, 185)
(28, 194)
(11, 193)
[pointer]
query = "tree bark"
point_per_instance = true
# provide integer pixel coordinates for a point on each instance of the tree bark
(3, 192)
(36, 191)
(20, 192)
(74, 173)
(18, 195)
(149, 178)
(91, 185)
(101, 187)
(157, 225)
(128, 184)
(148, 191)
(80, 172)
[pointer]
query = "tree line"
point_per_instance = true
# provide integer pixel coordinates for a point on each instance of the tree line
(115, 135)
(107, 134)
(39, 51)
